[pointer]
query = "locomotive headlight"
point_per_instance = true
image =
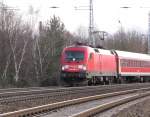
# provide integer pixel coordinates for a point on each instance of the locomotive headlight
(65, 67)
(83, 67)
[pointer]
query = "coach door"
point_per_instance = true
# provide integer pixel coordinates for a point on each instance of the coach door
(100, 63)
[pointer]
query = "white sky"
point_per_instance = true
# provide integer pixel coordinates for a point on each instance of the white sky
(106, 13)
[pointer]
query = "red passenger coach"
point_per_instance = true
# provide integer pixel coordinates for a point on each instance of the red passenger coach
(134, 65)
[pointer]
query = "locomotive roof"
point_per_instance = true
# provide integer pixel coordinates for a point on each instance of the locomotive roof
(98, 50)
(72, 46)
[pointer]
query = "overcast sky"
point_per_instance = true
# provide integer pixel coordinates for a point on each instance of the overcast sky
(107, 13)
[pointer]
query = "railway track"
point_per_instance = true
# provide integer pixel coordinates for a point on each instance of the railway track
(22, 89)
(115, 99)
(12, 101)
(109, 105)
(57, 94)
(42, 92)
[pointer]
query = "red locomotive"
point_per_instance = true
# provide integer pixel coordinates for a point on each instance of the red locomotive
(84, 64)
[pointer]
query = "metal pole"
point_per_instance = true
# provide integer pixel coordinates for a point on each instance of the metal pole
(148, 42)
(91, 24)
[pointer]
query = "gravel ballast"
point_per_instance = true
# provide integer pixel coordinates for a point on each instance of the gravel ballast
(137, 108)
(141, 109)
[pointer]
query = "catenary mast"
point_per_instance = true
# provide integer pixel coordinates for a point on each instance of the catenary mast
(91, 24)
(148, 43)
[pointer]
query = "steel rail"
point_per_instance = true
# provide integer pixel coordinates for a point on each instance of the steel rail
(53, 94)
(47, 90)
(37, 98)
(107, 106)
(37, 89)
(61, 94)
(21, 89)
(41, 97)
(48, 107)
(50, 95)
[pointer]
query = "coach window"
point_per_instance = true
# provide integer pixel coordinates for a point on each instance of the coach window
(133, 63)
(143, 63)
(140, 63)
(148, 64)
(136, 63)
(123, 63)
(129, 63)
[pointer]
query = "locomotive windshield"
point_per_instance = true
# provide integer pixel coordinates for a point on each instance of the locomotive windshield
(74, 55)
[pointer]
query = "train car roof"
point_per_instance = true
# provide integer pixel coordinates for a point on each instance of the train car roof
(133, 55)
(125, 54)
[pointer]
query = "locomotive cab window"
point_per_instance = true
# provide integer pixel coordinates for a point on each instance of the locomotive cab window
(74, 55)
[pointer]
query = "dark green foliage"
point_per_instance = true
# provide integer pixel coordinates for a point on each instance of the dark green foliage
(22, 83)
(52, 40)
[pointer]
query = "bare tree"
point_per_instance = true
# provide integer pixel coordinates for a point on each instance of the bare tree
(128, 41)
(15, 53)
(47, 48)
(14, 37)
